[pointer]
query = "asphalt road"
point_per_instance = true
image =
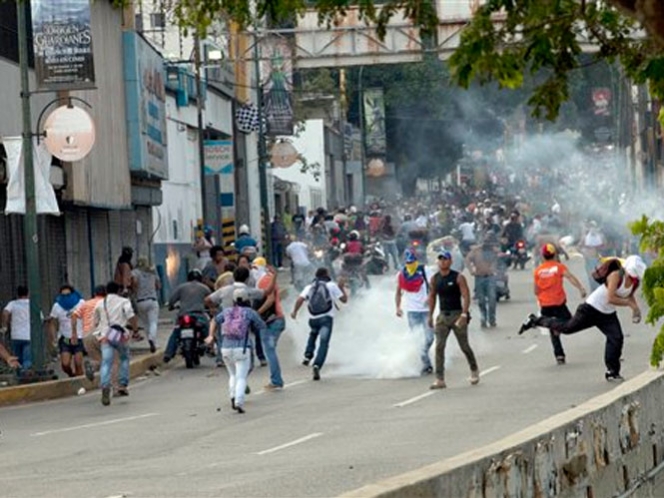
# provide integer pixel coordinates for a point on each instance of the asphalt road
(370, 417)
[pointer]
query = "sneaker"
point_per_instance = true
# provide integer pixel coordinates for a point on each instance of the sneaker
(239, 409)
(306, 361)
(155, 370)
(493, 325)
(89, 370)
(122, 391)
(316, 371)
(272, 387)
(438, 384)
(560, 360)
(153, 348)
(528, 324)
(426, 371)
(263, 363)
(166, 359)
(106, 396)
(474, 377)
(613, 377)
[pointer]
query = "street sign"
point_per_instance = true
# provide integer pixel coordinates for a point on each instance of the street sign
(70, 133)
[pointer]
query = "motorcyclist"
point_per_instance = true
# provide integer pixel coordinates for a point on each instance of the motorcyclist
(354, 257)
(245, 243)
(191, 297)
(513, 231)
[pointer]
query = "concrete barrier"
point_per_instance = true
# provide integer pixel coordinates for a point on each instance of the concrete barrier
(61, 388)
(612, 445)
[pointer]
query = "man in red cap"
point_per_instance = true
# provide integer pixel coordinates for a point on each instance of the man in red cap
(550, 293)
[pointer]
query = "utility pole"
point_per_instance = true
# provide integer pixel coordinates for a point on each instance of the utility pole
(363, 151)
(31, 236)
(201, 125)
(262, 151)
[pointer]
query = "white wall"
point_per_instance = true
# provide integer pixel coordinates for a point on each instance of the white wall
(182, 191)
(311, 144)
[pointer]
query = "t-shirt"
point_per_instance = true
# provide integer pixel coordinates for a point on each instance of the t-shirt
(467, 231)
(549, 281)
(113, 310)
(146, 283)
(224, 297)
(191, 296)
(417, 301)
(63, 317)
(20, 319)
(335, 294)
(298, 253)
(86, 313)
(263, 283)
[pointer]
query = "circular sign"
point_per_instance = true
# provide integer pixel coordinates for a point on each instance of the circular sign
(376, 168)
(283, 155)
(70, 133)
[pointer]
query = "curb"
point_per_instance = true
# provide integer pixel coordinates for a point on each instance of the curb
(61, 388)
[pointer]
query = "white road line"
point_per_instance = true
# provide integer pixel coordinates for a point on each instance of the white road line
(292, 443)
(489, 370)
(96, 424)
(415, 399)
(530, 349)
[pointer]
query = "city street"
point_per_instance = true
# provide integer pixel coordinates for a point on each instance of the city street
(176, 436)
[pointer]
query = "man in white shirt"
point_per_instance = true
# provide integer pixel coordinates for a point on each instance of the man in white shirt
(16, 315)
(70, 345)
(467, 229)
(413, 290)
(111, 312)
(298, 252)
(321, 295)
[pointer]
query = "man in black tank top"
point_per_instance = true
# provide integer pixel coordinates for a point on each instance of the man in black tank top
(451, 290)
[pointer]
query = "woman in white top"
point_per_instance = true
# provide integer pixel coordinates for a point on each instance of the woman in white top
(599, 311)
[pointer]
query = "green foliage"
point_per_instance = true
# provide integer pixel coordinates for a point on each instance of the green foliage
(652, 241)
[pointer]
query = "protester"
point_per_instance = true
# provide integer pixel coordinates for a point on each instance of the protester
(16, 316)
(215, 267)
(146, 284)
(85, 313)
(123, 269)
(70, 344)
(482, 261)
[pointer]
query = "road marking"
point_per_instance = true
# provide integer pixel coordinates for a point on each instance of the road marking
(530, 349)
(96, 424)
(292, 443)
(489, 370)
(415, 399)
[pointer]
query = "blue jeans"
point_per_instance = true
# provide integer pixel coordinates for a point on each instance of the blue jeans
(590, 264)
(270, 337)
(485, 290)
(23, 351)
(319, 327)
(107, 356)
(417, 320)
(390, 247)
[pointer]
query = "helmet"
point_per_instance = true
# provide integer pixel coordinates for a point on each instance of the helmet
(548, 250)
(243, 230)
(194, 275)
(354, 235)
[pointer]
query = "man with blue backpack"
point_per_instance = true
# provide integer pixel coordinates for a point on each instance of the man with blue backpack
(320, 295)
(413, 292)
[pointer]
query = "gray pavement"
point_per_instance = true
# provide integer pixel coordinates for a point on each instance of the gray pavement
(176, 436)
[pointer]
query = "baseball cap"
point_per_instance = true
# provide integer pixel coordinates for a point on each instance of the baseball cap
(444, 255)
(548, 250)
(260, 261)
(409, 256)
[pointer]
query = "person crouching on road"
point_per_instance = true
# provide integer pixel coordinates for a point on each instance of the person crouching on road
(236, 324)
(413, 287)
(617, 288)
(321, 296)
(112, 315)
(550, 293)
(451, 290)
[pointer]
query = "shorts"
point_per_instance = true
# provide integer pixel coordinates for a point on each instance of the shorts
(65, 346)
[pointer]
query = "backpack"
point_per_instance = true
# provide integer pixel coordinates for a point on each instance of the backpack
(320, 301)
(603, 270)
(234, 326)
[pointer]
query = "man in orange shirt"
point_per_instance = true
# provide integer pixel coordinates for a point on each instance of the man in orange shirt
(551, 296)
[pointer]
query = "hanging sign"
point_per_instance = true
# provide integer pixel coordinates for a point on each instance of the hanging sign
(70, 133)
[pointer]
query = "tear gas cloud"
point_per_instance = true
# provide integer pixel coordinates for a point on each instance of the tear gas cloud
(370, 341)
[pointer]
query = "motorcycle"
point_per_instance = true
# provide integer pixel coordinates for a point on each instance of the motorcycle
(419, 240)
(519, 254)
(193, 331)
(377, 263)
(352, 269)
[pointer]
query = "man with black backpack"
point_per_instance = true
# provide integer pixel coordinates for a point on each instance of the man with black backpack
(618, 283)
(413, 290)
(321, 296)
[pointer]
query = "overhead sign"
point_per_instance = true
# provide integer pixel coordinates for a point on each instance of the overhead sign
(70, 133)
(62, 42)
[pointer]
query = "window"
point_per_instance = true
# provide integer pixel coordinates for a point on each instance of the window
(158, 20)
(138, 22)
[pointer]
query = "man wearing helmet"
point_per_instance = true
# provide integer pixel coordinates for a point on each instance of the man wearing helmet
(191, 297)
(618, 283)
(245, 241)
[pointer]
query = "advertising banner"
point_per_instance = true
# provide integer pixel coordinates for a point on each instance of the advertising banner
(145, 91)
(374, 121)
(62, 42)
(277, 83)
(219, 161)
